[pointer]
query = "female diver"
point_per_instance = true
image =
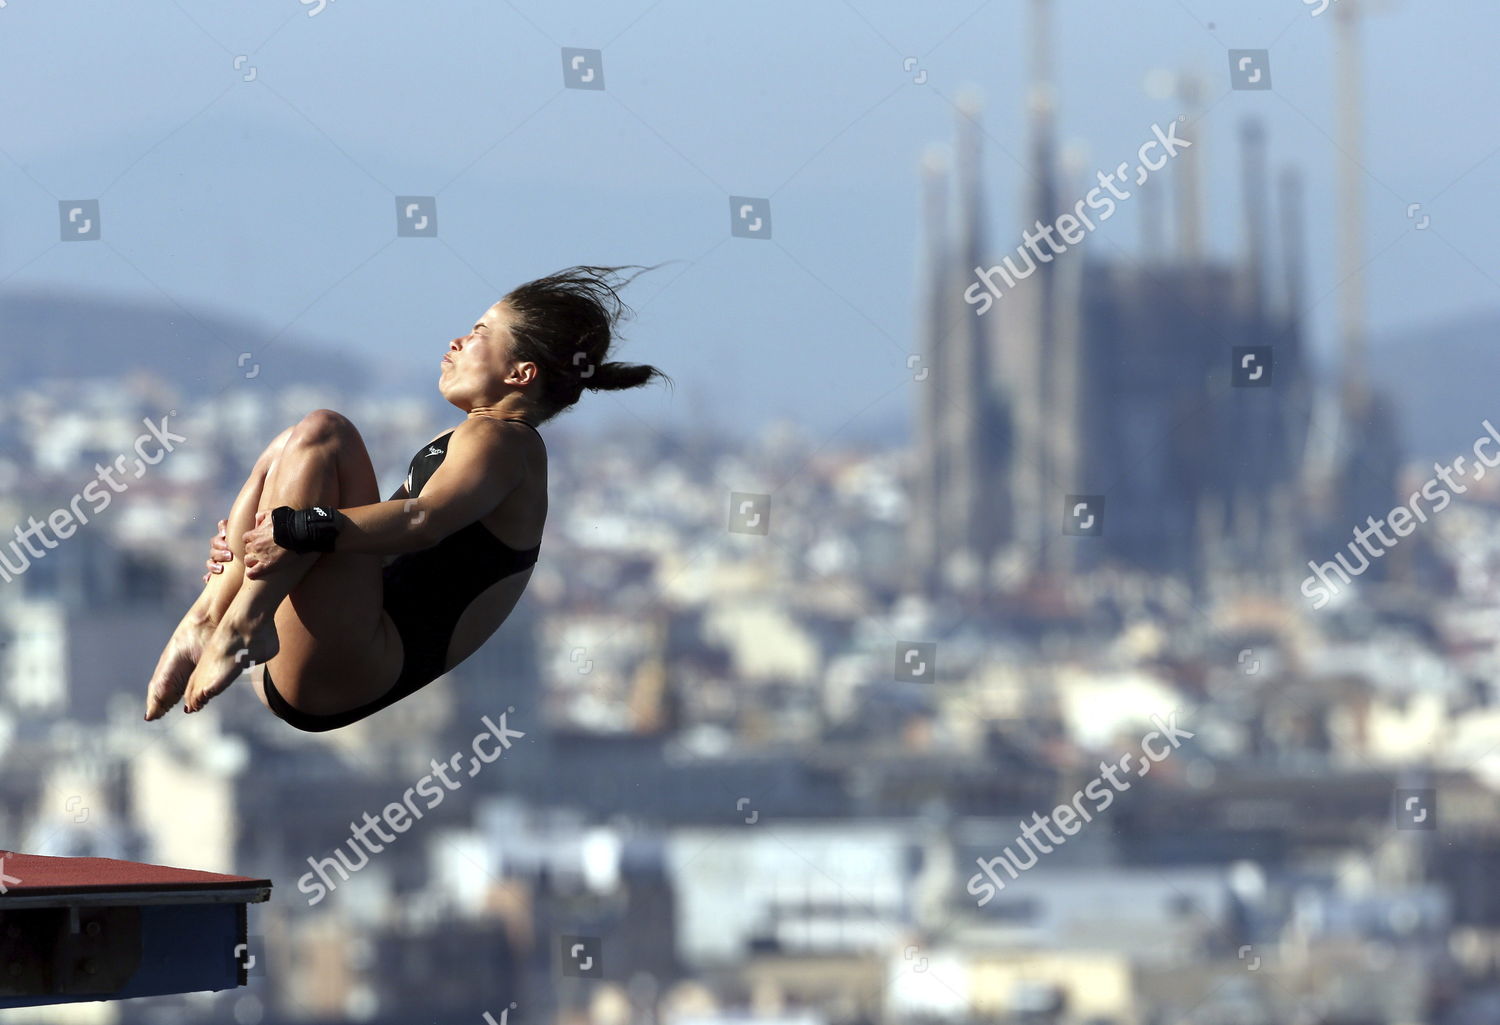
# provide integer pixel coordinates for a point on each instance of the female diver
(342, 604)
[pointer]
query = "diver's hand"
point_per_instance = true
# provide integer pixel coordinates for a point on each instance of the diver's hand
(219, 551)
(263, 556)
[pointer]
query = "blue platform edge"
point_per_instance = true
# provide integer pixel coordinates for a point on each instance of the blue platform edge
(185, 948)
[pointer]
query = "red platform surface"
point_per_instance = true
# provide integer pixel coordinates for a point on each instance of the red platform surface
(39, 875)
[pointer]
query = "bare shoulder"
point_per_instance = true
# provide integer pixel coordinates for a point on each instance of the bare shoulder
(509, 434)
(501, 445)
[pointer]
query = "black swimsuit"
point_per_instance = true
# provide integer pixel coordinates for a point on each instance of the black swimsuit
(425, 594)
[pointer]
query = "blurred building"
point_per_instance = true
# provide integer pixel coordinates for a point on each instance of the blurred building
(1161, 405)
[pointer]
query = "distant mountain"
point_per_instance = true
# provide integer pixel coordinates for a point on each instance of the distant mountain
(53, 334)
(1445, 380)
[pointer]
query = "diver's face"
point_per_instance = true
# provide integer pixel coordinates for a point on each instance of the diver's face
(478, 368)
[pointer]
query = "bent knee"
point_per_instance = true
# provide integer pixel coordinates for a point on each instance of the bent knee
(268, 455)
(323, 426)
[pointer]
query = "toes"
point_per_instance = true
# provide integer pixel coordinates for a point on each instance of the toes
(167, 684)
(200, 693)
(193, 694)
(158, 701)
(197, 693)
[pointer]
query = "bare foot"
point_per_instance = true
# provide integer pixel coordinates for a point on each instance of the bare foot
(176, 664)
(234, 647)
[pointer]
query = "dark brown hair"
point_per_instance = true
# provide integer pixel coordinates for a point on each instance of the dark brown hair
(565, 323)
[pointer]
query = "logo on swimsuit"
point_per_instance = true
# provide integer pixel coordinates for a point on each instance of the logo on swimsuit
(433, 450)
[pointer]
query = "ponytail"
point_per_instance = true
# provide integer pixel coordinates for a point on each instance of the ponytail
(618, 376)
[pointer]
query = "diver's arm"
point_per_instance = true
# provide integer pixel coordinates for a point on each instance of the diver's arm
(484, 464)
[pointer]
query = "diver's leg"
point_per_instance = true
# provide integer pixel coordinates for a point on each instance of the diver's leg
(221, 587)
(322, 617)
(186, 644)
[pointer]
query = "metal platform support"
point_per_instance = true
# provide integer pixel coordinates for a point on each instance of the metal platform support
(76, 929)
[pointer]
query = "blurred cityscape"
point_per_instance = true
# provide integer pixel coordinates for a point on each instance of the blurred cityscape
(1080, 709)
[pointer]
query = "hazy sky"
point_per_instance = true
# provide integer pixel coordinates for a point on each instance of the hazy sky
(273, 198)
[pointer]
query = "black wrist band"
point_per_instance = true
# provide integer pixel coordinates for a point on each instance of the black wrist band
(304, 530)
